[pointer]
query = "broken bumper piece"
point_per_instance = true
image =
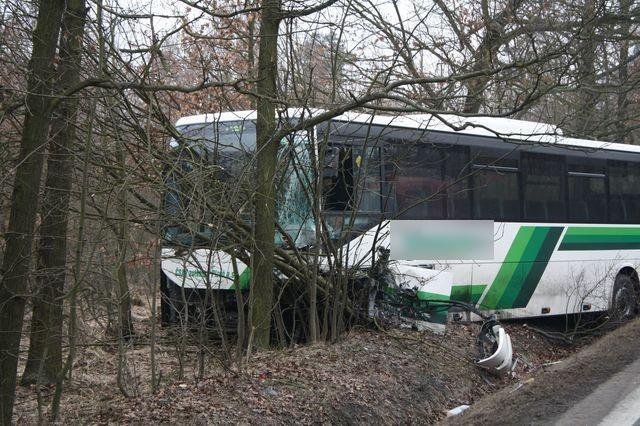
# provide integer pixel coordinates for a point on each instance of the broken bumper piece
(501, 361)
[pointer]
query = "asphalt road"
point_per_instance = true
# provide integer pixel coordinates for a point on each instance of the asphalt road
(614, 402)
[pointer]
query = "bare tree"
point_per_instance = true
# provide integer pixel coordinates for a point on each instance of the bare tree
(17, 260)
(45, 347)
(261, 299)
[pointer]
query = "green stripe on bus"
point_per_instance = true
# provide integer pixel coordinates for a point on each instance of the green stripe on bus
(601, 238)
(523, 267)
(508, 268)
(599, 246)
(469, 293)
(537, 268)
(439, 314)
(432, 297)
(602, 230)
(243, 279)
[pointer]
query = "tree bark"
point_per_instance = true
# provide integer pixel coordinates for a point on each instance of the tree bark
(485, 55)
(587, 96)
(123, 293)
(623, 76)
(24, 200)
(261, 294)
(46, 323)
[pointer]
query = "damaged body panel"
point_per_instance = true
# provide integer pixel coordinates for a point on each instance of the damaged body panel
(413, 296)
(418, 294)
(500, 358)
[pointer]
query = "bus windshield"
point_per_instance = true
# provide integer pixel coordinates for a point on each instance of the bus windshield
(229, 145)
(228, 136)
(214, 173)
(209, 171)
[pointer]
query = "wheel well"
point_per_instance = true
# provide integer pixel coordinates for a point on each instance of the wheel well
(631, 272)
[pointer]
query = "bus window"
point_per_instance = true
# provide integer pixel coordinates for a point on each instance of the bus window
(543, 177)
(352, 179)
(389, 172)
(624, 199)
(293, 180)
(426, 181)
(457, 171)
(419, 185)
(338, 178)
(495, 185)
(587, 191)
(366, 166)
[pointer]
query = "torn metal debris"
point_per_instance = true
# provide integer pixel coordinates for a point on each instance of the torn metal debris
(499, 357)
(414, 296)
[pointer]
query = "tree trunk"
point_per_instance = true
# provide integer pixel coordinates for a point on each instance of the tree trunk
(261, 294)
(123, 293)
(251, 47)
(484, 60)
(587, 96)
(486, 54)
(623, 76)
(46, 324)
(24, 200)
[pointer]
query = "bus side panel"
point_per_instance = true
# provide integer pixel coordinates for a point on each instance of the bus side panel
(551, 269)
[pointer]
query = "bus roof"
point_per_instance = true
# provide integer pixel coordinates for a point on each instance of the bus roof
(216, 117)
(495, 127)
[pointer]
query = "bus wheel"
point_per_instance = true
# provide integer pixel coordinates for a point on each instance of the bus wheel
(624, 302)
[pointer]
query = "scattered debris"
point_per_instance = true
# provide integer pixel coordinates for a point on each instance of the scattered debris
(562, 386)
(457, 411)
(501, 359)
(418, 297)
(269, 391)
(521, 384)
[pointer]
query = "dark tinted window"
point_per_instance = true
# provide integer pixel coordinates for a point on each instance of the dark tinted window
(495, 185)
(427, 181)
(338, 178)
(224, 136)
(419, 184)
(587, 192)
(544, 198)
(624, 195)
(457, 171)
(366, 166)
(351, 178)
(228, 144)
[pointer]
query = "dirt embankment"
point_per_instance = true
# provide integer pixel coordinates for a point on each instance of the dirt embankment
(551, 391)
(400, 376)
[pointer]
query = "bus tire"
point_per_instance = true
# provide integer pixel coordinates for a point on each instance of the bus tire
(624, 301)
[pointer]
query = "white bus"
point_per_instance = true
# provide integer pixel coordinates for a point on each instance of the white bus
(563, 212)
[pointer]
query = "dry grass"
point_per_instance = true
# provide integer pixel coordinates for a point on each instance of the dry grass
(398, 376)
